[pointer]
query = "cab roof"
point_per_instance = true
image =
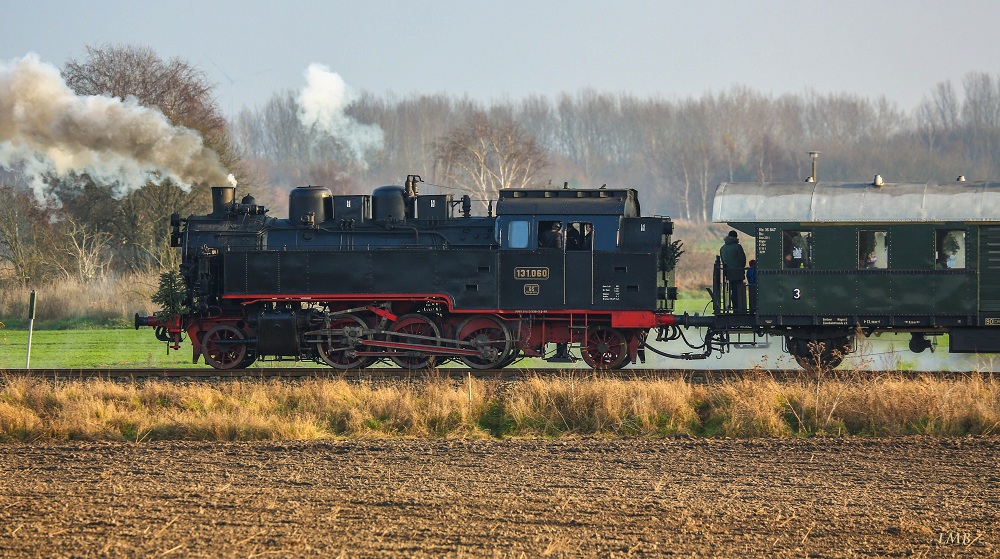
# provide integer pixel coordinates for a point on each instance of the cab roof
(597, 201)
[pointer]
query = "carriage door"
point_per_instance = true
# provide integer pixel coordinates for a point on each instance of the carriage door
(579, 280)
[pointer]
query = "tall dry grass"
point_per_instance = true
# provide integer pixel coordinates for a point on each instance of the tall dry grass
(554, 406)
(755, 406)
(108, 301)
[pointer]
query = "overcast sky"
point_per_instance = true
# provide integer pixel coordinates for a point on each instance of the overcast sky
(513, 48)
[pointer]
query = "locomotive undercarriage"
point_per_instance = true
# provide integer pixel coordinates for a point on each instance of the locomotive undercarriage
(406, 334)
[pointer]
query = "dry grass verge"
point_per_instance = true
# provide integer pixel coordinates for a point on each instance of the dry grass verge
(755, 406)
(70, 303)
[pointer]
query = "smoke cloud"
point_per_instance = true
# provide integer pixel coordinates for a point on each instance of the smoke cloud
(321, 105)
(46, 128)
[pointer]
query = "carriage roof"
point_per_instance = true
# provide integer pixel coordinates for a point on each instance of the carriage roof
(820, 202)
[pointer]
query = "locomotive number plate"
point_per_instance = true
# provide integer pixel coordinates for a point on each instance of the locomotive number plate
(992, 322)
(531, 273)
(532, 289)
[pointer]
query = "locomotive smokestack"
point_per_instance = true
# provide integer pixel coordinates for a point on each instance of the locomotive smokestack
(222, 198)
(814, 155)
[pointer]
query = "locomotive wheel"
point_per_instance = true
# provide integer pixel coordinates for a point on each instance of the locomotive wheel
(514, 355)
(334, 350)
(818, 355)
(605, 348)
(223, 347)
(416, 324)
(249, 359)
(489, 335)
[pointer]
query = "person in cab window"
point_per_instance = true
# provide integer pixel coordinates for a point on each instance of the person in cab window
(553, 237)
(574, 239)
(587, 243)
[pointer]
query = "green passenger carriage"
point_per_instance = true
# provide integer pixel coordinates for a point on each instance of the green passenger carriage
(835, 259)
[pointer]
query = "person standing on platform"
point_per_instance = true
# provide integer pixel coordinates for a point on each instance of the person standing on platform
(734, 262)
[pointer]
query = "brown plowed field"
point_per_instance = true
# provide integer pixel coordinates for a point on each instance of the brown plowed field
(901, 497)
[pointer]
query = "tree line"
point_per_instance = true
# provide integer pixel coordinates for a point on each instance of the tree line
(675, 151)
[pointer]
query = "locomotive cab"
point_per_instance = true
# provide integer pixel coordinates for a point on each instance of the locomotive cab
(581, 250)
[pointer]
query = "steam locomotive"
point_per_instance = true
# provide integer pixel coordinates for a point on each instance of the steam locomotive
(395, 276)
(417, 280)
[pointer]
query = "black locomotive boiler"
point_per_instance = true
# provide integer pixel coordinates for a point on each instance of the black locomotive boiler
(417, 280)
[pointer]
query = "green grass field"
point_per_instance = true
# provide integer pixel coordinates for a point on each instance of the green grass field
(89, 348)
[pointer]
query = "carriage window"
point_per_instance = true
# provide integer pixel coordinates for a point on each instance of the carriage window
(949, 249)
(797, 249)
(580, 236)
(873, 250)
(517, 234)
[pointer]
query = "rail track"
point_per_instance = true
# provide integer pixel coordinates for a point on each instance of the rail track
(457, 373)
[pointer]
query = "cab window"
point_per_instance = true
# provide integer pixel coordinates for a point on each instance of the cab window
(550, 234)
(580, 236)
(517, 234)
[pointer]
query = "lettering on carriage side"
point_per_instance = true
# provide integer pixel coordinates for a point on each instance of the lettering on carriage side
(763, 236)
(531, 273)
(796, 293)
(532, 289)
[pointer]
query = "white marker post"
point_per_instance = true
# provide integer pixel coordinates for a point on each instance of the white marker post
(31, 327)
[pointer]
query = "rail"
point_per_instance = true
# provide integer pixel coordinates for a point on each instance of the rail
(457, 373)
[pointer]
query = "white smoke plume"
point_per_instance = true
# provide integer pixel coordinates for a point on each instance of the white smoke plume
(46, 128)
(321, 105)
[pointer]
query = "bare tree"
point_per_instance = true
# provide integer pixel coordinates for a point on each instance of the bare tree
(184, 95)
(24, 238)
(486, 155)
(181, 91)
(981, 115)
(939, 116)
(88, 256)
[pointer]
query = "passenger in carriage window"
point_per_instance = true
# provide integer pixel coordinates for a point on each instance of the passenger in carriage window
(797, 249)
(950, 249)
